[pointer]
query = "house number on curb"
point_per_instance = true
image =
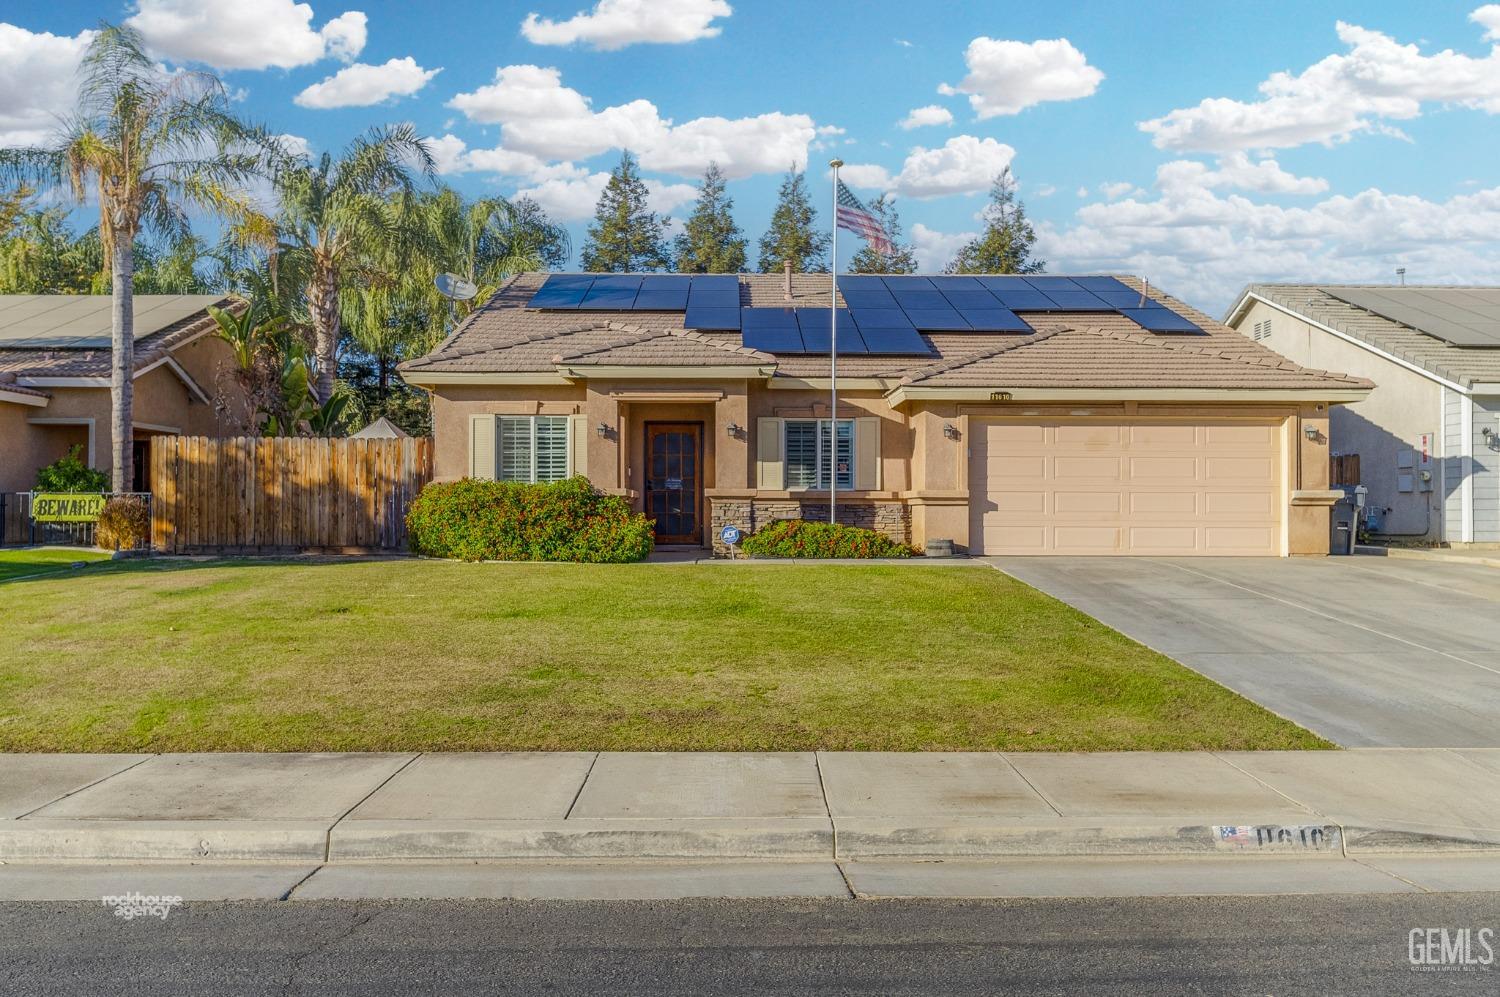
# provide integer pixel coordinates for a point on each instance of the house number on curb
(1313, 837)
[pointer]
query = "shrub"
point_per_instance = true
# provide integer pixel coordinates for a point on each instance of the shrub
(800, 538)
(474, 520)
(70, 474)
(124, 524)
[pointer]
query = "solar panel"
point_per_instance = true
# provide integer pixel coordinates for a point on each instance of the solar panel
(993, 320)
(1124, 299)
(896, 342)
(708, 317)
(1079, 301)
(970, 299)
(774, 339)
(666, 300)
(910, 299)
(951, 282)
(1097, 284)
(1001, 282)
(767, 318)
(666, 282)
(1159, 320)
(860, 282)
(561, 291)
(907, 282)
(612, 292)
(1053, 283)
(1025, 301)
(868, 299)
(715, 282)
(881, 318)
(714, 291)
(817, 336)
(1463, 316)
(937, 320)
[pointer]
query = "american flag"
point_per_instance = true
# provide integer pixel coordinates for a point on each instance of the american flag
(856, 218)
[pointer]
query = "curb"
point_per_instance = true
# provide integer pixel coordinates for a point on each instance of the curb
(1418, 554)
(792, 838)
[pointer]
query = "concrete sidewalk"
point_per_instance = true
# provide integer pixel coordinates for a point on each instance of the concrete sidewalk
(360, 808)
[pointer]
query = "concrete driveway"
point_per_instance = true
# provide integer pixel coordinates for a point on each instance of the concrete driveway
(1366, 651)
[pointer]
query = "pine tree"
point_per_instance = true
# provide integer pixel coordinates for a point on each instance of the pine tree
(791, 235)
(900, 259)
(710, 241)
(626, 236)
(1005, 244)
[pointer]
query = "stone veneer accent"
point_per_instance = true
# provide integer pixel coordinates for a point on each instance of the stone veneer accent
(891, 518)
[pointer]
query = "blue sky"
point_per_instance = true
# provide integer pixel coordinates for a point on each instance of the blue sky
(1278, 140)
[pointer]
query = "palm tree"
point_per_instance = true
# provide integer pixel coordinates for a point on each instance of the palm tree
(337, 225)
(149, 146)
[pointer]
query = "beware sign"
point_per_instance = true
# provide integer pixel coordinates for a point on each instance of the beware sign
(66, 507)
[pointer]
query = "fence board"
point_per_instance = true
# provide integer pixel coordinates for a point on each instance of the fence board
(263, 495)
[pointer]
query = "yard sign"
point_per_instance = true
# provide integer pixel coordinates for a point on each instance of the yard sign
(66, 507)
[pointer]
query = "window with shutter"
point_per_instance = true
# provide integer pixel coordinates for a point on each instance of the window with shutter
(515, 448)
(806, 453)
(551, 447)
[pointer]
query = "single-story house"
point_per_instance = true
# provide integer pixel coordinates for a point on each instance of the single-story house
(54, 378)
(1428, 438)
(1011, 415)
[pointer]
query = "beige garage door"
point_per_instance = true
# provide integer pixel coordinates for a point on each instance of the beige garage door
(1139, 487)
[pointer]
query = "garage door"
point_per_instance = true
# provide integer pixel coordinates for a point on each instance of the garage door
(1139, 487)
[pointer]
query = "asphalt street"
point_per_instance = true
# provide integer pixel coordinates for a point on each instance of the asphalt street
(1236, 945)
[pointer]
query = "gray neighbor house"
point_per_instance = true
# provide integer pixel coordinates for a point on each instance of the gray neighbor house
(1428, 436)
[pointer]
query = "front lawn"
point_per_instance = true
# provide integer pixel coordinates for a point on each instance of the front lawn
(26, 561)
(407, 655)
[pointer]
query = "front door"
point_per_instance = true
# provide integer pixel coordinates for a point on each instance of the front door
(674, 482)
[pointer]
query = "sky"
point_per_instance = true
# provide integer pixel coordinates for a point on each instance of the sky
(1201, 146)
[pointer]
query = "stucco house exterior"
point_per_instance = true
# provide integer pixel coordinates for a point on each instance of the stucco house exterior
(54, 378)
(1428, 438)
(1075, 431)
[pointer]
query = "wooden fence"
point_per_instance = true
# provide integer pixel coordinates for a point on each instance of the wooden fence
(1344, 470)
(259, 495)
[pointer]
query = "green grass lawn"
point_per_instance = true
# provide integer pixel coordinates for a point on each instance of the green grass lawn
(402, 654)
(38, 560)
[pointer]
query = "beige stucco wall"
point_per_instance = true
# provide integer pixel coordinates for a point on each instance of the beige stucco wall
(921, 466)
(1403, 406)
(161, 399)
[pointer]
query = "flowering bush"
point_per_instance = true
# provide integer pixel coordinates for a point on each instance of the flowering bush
(475, 520)
(124, 524)
(800, 538)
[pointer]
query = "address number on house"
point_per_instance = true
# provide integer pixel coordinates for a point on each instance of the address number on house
(65, 507)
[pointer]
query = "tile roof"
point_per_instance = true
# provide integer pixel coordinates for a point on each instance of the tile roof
(1463, 365)
(504, 336)
(667, 349)
(94, 361)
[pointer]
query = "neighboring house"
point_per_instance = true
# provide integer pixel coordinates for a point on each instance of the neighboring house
(705, 400)
(54, 378)
(380, 429)
(1428, 438)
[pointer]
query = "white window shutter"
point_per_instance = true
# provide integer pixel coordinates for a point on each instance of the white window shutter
(867, 454)
(578, 445)
(482, 447)
(770, 469)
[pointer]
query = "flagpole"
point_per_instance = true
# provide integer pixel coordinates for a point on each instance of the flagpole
(833, 355)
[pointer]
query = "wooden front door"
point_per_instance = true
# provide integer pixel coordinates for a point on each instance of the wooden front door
(674, 481)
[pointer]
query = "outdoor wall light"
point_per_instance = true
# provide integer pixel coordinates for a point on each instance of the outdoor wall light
(734, 430)
(603, 430)
(950, 431)
(1311, 432)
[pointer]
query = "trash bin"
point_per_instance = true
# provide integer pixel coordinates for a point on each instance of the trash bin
(1343, 519)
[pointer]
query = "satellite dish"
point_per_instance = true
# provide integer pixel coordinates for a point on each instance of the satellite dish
(451, 285)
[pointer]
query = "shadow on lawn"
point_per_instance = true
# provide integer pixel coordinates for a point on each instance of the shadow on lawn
(16, 572)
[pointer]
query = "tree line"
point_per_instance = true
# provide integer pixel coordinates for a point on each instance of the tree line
(626, 236)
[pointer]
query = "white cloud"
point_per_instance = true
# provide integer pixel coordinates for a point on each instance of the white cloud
(541, 117)
(295, 144)
(1205, 245)
(1264, 176)
(246, 34)
(1046, 190)
(1375, 82)
(962, 165)
(921, 117)
(361, 85)
(38, 82)
(1116, 190)
(903, 43)
(614, 24)
(1006, 77)
(573, 198)
(935, 249)
(1081, 192)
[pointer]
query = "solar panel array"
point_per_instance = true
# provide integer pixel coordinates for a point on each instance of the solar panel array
(885, 314)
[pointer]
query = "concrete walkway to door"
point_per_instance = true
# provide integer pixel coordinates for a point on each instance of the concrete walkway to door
(1366, 652)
